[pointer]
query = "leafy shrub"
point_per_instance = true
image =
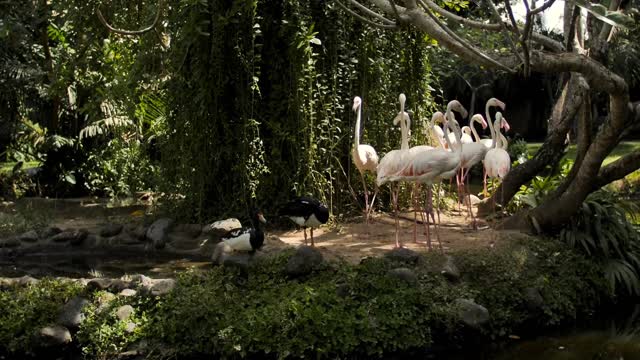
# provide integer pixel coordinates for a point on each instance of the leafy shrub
(518, 150)
(601, 228)
(25, 310)
(103, 336)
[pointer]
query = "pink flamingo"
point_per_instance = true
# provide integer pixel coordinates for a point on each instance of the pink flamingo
(497, 162)
(364, 156)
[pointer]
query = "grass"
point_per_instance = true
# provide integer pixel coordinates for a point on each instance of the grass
(622, 149)
(6, 167)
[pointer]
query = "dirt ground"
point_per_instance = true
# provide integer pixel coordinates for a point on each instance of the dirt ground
(355, 240)
(351, 241)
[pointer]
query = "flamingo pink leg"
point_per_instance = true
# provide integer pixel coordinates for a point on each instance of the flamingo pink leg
(366, 199)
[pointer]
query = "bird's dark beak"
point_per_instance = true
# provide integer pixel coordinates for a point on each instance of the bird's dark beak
(262, 219)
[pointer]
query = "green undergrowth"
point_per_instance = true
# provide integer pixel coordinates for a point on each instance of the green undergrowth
(339, 310)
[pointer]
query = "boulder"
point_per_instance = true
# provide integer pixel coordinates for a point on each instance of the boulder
(219, 228)
(127, 292)
(54, 335)
(471, 314)
(26, 280)
(29, 236)
(124, 312)
(118, 285)
(104, 300)
(137, 231)
(403, 255)
(74, 237)
(110, 230)
(9, 242)
(49, 232)
(450, 270)
(163, 287)
(183, 241)
(404, 274)
(157, 232)
(71, 315)
(533, 299)
(98, 284)
(305, 259)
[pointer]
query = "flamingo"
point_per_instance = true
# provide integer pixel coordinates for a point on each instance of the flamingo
(437, 131)
(364, 156)
(464, 139)
(493, 102)
(472, 154)
(497, 162)
(395, 160)
(431, 165)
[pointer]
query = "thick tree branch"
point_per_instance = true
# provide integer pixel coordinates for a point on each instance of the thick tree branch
(547, 42)
(130, 32)
(364, 19)
(618, 169)
(372, 13)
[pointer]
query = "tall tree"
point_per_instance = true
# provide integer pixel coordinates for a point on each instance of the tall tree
(582, 57)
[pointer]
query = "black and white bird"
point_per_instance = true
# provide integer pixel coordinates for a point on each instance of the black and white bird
(247, 239)
(306, 212)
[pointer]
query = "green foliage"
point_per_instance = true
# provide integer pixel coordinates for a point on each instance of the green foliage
(601, 228)
(12, 223)
(103, 335)
(518, 150)
(25, 310)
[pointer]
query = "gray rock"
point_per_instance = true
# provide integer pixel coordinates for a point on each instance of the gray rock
(450, 270)
(110, 230)
(219, 228)
(130, 327)
(26, 281)
(127, 292)
(533, 299)
(239, 260)
(104, 300)
(118, 285)
(188, 230)
(123, 238)
(49, 232)
(471, 314)
(163, 287)
(29, 237)
(75, 237)
(183, 241)
(54, 335)
(71, 314)
(404, 274)
(98, 284)
(137, 231)
(124, 312)
(11, 242)
(304, 260)
(157, 232)
(139, 280)
(403, 255)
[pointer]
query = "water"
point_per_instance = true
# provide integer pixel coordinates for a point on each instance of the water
(93, 264)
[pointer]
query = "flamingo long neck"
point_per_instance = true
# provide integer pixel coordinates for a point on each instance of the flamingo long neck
(473, 129)
(357, 136)
(404, 128)
(491, 128)
(497, 136)
(449, 125)
(504, 144)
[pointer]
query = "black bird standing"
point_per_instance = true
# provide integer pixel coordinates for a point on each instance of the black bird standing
(306, 212)
(247, 239)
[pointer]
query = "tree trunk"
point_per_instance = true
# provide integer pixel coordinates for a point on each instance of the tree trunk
(552, 150)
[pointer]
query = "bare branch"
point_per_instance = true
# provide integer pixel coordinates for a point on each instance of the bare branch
(364, 19)
(542, 8)
(372, 13)
(541, 39)
(395, 9)
(130, 32)
(517, 31)
(464, 42)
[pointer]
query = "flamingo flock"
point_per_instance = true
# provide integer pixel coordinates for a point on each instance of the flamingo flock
(453, 155)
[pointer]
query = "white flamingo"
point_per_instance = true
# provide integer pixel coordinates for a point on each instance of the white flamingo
(395, 160)
(497, 162)
(364, 156)
(472, 154)
(464, 139)
(432, 165)
(493, 102)
(436, 131)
